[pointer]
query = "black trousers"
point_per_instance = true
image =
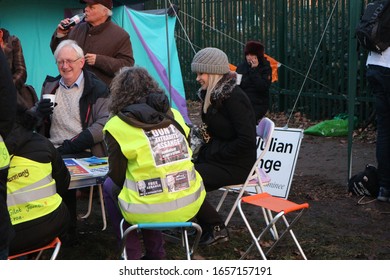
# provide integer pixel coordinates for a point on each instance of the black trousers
(39, 232)
(207, 216)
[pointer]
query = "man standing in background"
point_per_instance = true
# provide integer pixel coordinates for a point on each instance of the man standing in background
(107, 46)
(378, 76)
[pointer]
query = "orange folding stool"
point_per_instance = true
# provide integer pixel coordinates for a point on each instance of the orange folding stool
(55, 244)
(282, 207)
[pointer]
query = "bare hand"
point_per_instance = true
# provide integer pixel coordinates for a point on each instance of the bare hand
(60, 28)
(254, 62)
(90, 58)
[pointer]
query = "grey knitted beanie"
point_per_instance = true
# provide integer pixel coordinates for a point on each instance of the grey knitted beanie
(210, 61)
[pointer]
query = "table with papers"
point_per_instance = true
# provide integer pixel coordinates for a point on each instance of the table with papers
(89, 172)
(86, 171)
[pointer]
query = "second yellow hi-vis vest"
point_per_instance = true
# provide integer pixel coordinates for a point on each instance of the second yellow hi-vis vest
(161, 183)
(4, 156)
(31, 190)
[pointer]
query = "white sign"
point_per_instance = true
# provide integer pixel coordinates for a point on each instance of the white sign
(279, 162)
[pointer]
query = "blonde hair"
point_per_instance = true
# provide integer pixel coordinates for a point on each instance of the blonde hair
(213, 80)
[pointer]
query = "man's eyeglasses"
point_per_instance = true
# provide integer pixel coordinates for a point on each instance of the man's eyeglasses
(67, 61)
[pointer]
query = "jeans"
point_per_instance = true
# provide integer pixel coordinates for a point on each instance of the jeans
(379, 80)
(152, 239)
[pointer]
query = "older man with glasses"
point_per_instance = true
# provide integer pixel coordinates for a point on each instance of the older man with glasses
(74, 125)
(74, 121)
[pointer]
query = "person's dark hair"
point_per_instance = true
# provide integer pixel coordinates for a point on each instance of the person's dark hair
(25, 120)
(254, 48)
(5, 33)
(131, 85)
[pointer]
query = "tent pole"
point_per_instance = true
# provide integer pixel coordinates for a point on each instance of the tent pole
(168, 53)
(354, 15)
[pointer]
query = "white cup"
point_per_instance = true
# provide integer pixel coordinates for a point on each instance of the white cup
(52, 97)
(239, 77)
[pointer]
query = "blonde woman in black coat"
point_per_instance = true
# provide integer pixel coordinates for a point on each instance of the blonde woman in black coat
(230, 153)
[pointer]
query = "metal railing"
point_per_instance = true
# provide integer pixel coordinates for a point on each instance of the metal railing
(300, 34)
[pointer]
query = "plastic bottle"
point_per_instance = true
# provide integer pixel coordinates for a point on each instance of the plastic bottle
(73, 21)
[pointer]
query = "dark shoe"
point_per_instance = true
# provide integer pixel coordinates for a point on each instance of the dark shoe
(218, 234)
(383, 195)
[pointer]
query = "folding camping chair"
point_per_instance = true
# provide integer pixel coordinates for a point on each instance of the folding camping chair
(269, 205)
(55, 244)
(257, 177)
(282, 207)
(183, 226)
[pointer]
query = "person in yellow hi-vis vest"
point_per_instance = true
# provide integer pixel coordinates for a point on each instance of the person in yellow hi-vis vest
(151, 176)
(37, 186)
(7, 116)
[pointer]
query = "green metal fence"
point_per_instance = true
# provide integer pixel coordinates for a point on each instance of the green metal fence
(310, 39)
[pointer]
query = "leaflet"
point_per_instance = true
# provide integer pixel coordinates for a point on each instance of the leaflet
(92, 166)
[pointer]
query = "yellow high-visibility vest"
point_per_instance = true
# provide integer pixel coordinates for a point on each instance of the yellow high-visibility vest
(4, 156)
(177, 116)
(161, 183)
(31, 190)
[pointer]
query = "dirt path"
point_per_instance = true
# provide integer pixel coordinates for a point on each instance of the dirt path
(327, 157)
(335, 226)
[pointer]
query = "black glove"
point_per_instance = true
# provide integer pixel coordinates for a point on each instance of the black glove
(45, 108)
(65, 148)
(77, 144)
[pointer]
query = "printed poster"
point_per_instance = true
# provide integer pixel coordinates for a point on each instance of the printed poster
(75, 169)
(167, 145)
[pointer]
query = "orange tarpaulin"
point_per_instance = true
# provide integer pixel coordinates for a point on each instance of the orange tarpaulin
(274, 66)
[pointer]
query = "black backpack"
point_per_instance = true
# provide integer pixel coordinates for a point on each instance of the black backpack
(365, 183)
(373, 30)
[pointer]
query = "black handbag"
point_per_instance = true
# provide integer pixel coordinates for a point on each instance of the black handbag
(365, 183)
